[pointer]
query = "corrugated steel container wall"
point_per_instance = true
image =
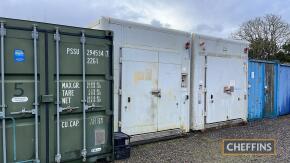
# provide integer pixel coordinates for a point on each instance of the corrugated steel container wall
(256, 90)
(263, 89)
(271, 88)
(284, 90)
(57, 97)
(219, 82)
(152, 73)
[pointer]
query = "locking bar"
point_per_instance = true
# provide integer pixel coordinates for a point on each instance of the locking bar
(93, 106)
(35, 38)
(3, 105)
(58, 154)
(67, 109)
(24, 111)
(84, 101)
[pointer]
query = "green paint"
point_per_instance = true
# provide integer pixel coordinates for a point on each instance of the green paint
(19, 82)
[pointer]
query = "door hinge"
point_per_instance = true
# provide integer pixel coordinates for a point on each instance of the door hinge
(205, 113)
(120, 60)
(120, 92)
(119, 124)
(108, 77)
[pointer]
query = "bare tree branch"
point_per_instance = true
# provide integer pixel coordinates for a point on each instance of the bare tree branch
(266, 34)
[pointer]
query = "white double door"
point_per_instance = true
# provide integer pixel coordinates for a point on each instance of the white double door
(151, 83)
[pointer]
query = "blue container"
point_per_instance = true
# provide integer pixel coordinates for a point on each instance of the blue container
(284, 90)
(263, 82)
(256, 90)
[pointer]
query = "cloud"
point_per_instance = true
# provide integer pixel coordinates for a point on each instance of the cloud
(209, 28)
(157, 23)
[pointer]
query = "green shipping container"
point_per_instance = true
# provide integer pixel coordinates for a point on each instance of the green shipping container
(56, 93)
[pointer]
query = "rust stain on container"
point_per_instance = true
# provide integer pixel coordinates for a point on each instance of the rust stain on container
(138, 76)
(269, 89)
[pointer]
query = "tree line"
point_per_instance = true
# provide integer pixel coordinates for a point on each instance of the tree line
(269, 38)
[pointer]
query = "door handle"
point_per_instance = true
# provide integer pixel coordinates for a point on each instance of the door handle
(211, 98)
(156, 93)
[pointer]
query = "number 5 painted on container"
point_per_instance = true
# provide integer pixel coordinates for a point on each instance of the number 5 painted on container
(18, 90)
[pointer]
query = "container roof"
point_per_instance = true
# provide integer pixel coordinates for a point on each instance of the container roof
(110, 20)
(219, 38)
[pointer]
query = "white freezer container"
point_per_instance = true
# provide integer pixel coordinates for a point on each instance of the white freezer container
(151, 77)
(219, 82)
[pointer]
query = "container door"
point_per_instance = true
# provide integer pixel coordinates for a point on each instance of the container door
(216, 78)
(256, 90)
(169, 84)
(284, 90)
(139, 91)
(82, 80)
(237, 83)
(226, 81)
(24, 81)
(269, 110)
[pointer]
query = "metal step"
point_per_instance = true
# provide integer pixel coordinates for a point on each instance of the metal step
(156, 136)
(223, 124)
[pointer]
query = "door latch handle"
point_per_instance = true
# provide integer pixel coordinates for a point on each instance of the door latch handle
(68, 109)
(24, 111)
(211, 98)
(156, 93)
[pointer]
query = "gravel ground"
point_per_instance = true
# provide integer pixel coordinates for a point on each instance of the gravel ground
(205, 147)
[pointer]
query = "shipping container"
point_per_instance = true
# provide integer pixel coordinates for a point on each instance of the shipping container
(219, 82)
(284, 90)
(151, 74)
(56, 93)
(263, 86)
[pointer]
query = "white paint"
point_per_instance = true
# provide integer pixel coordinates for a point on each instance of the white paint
(72, 51)
(68, 89)
(139, 79)
(96, 121)
(169, 82)
(98, 53)
(94, 93)
(224, 69)
(95, 150)
(143, 72)
(252, 75)
(70, 85)
(157, 51)
(70, 124)
(19, 99)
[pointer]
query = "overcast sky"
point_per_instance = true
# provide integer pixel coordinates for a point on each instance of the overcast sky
(212, 17)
